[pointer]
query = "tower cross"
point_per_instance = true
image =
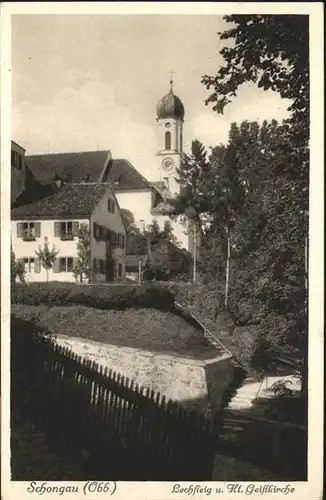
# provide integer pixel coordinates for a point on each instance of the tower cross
(171, 79)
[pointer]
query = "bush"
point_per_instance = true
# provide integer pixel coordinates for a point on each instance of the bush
(149, 329)
(98, 296)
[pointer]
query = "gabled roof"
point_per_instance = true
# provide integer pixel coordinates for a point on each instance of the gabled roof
(71, 200)
(91, 166)
(77, 167)
(124, 177)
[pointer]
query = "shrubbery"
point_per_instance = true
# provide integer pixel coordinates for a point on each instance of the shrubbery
(98, 296)
(205, 301)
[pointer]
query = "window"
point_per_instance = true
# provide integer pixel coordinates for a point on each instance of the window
(66, 230)
(28, 231)
(167, 125)
(167, 182)
(29, 264)
(167, 140)
(111, 206)
(100, 232)
(120, 270)
(16, 160)
(66, 264)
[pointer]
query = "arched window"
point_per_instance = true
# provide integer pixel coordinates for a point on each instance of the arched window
(167, 140)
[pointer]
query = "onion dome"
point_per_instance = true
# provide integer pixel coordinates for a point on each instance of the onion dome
(170, 106)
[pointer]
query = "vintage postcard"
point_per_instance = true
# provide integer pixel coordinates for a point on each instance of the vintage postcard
(162, 250)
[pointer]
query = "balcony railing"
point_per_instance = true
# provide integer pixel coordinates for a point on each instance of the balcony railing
(67, 237)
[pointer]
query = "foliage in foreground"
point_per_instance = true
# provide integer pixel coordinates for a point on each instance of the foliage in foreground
(99, 296)
(251, 195)
(150, 329)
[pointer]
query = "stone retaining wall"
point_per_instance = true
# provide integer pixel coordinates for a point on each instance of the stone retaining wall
(195, 384)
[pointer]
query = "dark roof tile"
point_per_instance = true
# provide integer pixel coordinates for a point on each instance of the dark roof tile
(124, 177)
(71, 200)
(77, 167)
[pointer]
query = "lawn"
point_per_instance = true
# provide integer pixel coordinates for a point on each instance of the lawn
(142, 328)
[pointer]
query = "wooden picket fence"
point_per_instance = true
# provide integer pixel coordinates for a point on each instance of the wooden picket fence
(125, 432)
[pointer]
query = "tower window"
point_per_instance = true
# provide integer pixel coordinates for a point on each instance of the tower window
(166, 182)
(167, 140)
(168, 125)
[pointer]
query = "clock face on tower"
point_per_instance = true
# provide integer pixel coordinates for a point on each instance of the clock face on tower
(168, 164)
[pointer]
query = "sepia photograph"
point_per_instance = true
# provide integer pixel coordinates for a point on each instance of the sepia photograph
(159, 232)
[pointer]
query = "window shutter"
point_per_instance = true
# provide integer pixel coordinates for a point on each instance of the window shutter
(75, 228)
(122, 241)
(20, 229)
(37, 266)
(113, 207)
(37, 229)
(57, 229)
(56, 265)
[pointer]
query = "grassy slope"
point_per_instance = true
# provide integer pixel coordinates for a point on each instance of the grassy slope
(139, 328)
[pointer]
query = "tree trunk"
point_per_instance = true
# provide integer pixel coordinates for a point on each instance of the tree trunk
(195, 252)
(227, 273)
(47, 274)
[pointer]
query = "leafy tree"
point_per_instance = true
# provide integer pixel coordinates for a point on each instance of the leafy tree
(273, 52)
(194, 203)
(17, 269)
(82, 267)
(129, 221)
(269, 50)
(47, 256)
(136, 239)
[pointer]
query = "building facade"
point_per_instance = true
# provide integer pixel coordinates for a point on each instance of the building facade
(146, 200)
(56, 219)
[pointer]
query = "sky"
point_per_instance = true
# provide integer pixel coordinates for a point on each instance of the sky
(92, 82)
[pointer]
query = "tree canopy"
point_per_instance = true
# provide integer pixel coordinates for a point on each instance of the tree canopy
(269, 50)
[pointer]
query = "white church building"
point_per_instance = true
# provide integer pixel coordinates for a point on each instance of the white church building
(146, 200)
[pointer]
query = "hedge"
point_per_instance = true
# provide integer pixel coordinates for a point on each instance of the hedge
(98, 296)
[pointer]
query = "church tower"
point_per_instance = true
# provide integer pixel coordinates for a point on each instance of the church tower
(170, 115)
